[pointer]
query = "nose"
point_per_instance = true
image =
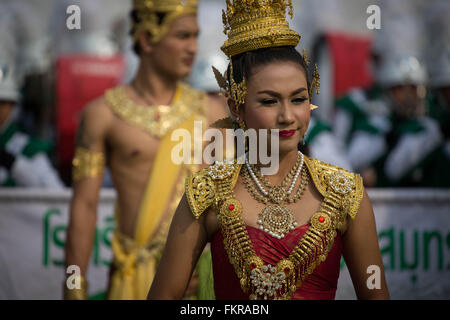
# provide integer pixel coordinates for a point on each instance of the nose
(193, 45)
(286, 115)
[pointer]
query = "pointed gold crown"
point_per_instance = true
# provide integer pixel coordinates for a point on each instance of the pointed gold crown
(257, 24)
(148, 20)
(252, 25)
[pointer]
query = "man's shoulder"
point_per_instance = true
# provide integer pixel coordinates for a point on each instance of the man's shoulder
(96, 118)
(98, 109)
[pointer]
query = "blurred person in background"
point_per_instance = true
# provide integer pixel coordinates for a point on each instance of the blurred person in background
(439, 93)
(32, 58)
(440, 111)
(411, 137)
(390, 140)
(359, 125)
(24, 160)
(320, 143)
(129, 130)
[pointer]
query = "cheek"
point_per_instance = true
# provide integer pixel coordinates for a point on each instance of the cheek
(303, 116)
(259, 119)
(169, 53)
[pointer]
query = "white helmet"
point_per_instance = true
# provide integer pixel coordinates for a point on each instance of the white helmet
(401, 71)
(440, 70)
(8, 84)
(202, 76)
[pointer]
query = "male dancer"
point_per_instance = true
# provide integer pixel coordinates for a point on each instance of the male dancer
(129, 129)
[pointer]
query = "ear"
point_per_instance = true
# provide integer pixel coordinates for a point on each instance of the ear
(144, 42)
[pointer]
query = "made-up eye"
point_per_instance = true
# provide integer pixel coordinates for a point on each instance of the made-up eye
(299, 100)
(268, 102)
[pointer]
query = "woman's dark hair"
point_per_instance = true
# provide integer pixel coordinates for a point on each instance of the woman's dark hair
(134, 15)
(245, 63)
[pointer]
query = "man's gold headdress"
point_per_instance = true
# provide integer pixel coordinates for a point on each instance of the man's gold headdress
(252, 25)
(148, 18)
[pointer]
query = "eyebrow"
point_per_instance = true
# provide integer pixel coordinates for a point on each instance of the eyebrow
(184, 31)
(276, 94)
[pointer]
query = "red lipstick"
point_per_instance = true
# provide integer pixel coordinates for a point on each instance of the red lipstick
(287, 133)
(188, 61)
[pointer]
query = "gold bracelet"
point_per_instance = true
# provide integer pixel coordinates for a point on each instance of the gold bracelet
(87, 164)
(80, 293)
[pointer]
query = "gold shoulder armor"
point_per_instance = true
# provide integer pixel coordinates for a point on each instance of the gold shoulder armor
(346, 185)
(200, 192)
(202, 189)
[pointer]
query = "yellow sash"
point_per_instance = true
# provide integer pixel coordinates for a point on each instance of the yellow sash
(134, 259)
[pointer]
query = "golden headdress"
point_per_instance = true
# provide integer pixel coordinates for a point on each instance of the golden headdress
(148, 20)
(257, 24)
(252, 25)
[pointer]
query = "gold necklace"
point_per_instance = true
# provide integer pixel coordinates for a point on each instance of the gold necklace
(342, 192)
(157, 120)
(264, 281)
(276, 219)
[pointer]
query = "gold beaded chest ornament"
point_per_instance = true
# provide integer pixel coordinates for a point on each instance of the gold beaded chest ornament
(252, 25)
(342, 191)
(148, 20)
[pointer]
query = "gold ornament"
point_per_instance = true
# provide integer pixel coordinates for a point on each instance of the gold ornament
(305, 58)
(76, 294)
(264, 281)
(256, 24)
(311, 249)
(202, 193)
(252, 25)
(276, 219)
(315, 84)
(148, 10)
(157, 120)
(87, 164)
(341, 183)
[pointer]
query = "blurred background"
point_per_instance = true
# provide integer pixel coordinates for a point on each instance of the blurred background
(384, 112)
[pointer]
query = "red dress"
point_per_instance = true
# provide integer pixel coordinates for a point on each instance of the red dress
(320, 285)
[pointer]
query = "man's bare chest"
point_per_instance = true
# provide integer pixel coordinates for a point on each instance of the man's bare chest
(127, 143)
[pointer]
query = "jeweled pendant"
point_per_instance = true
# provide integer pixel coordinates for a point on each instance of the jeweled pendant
(276, 220)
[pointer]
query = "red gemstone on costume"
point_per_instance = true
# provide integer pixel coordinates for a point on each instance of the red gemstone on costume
(321, 219)
(252, 266)
(286, 270)
(231, 207)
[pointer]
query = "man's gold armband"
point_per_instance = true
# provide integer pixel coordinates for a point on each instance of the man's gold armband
(87, 164)
(77, 289)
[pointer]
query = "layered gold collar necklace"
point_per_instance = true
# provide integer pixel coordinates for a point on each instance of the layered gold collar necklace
(157, 120)
(276, 219)
(260, 280)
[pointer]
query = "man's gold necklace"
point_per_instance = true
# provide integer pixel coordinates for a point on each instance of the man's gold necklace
(276, 219)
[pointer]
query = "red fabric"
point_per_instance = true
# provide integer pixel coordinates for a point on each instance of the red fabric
(80, 79)
(320, 285)
(351, 60)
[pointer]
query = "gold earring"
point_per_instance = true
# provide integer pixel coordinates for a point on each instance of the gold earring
(242, 125)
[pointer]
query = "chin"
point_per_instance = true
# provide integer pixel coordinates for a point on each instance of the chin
(288, 146)
(183, 72)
